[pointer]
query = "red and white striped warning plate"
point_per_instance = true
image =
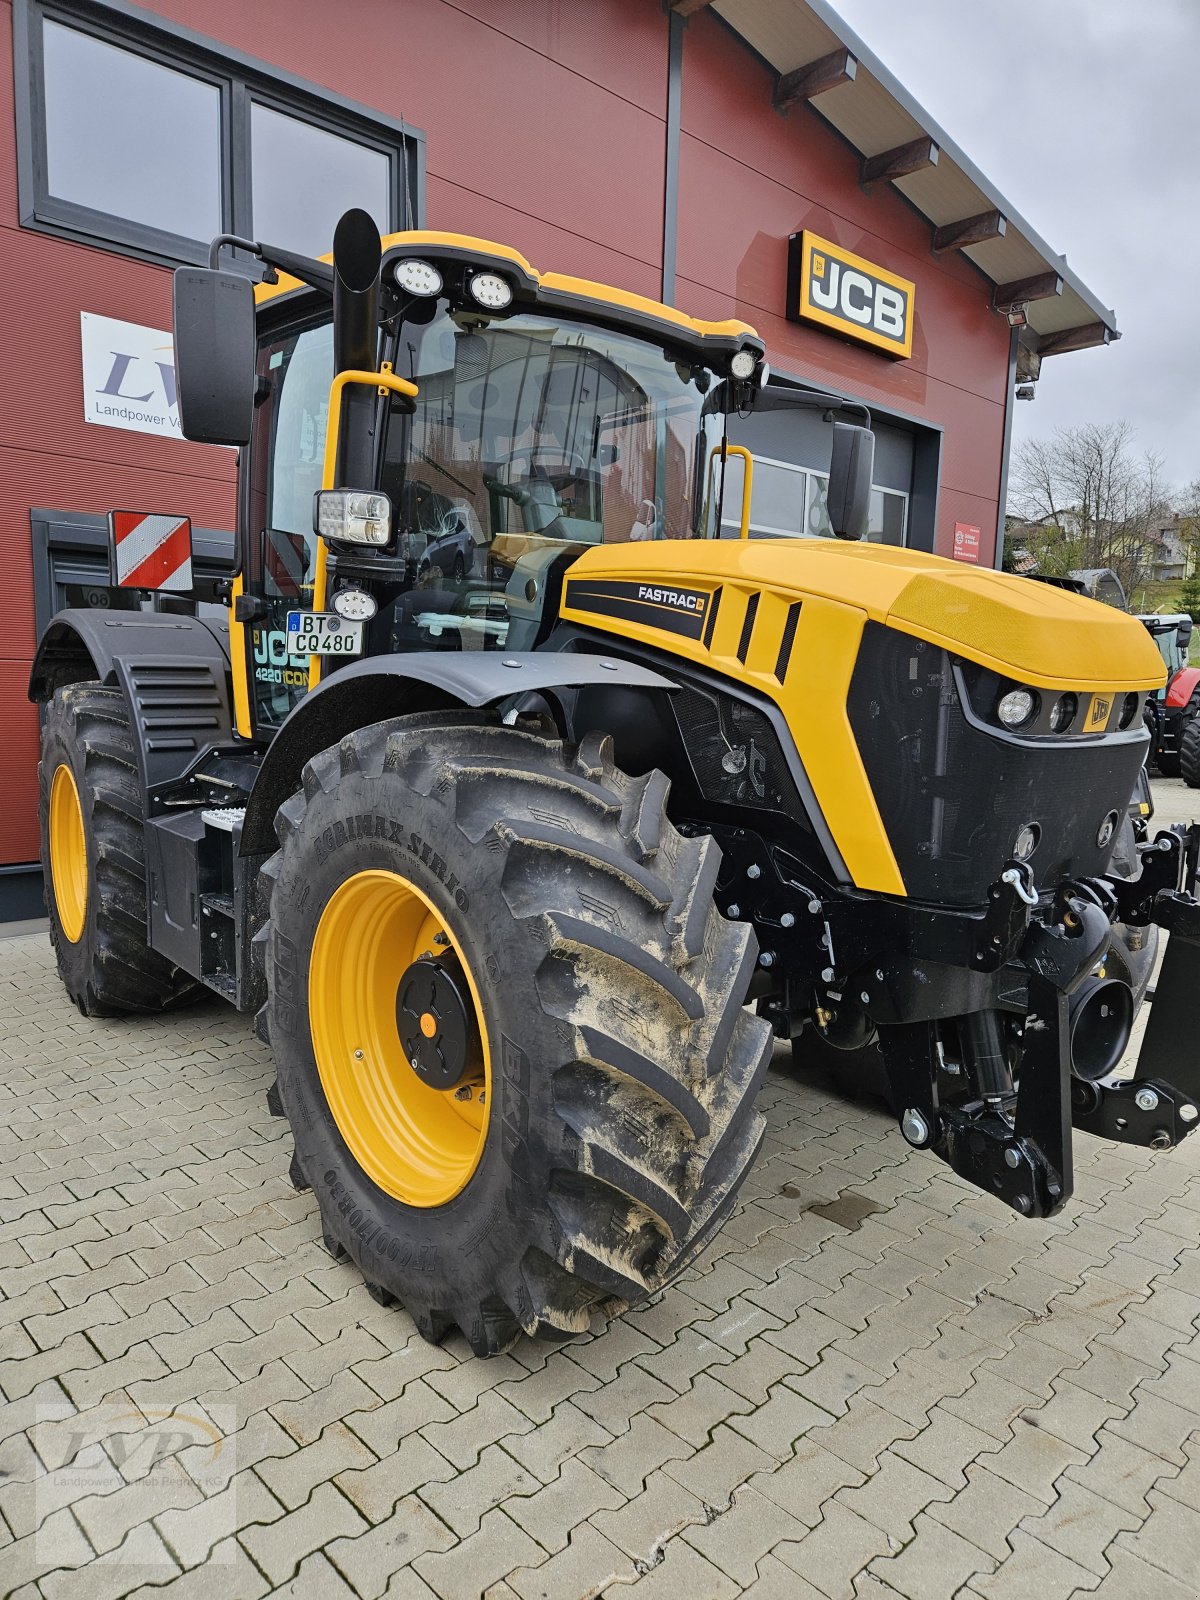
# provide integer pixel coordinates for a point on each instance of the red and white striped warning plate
(150, 551)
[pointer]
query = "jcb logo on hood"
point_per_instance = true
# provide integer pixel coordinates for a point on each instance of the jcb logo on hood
(829, 285)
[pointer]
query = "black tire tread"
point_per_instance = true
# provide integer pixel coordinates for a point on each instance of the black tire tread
(655, 1092)
(1189, 754)
(122, 973)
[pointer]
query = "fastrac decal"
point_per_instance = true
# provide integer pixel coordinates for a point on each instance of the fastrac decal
(655, 605)
(128, 376)
(829, 285)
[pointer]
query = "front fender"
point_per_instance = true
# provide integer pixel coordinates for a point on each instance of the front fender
(383, 687)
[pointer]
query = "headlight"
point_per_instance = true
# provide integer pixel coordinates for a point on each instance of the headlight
(351, 516)
(491, 290)
(418, 277)
(1016, 707)
(1129, 709)
(1062, 713)
(743, 364)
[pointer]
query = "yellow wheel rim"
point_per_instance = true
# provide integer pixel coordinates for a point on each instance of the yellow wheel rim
(68, 854)
(419, 1144)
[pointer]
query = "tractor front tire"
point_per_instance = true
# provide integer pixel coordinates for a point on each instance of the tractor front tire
(572, 1119)
(1189, 753)
(93, 858)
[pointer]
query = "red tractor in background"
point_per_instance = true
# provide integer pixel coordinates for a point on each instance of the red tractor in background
(1171, 714)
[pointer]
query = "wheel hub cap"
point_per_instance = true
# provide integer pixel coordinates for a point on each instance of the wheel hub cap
(434, 1019)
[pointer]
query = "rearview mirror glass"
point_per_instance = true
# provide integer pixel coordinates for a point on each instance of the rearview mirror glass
(850, 470)
(214, 355)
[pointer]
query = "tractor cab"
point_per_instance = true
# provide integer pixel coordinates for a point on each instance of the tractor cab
(420, 473)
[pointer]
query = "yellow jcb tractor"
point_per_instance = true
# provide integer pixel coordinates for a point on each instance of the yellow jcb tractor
(526, 811)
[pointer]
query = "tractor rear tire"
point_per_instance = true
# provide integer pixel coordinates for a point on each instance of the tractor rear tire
(1189, 753)
(620, 1064)
(93, 858)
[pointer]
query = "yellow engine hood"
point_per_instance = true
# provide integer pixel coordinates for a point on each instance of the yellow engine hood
(1040, 634)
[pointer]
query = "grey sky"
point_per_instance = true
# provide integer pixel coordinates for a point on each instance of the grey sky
(1085, 115)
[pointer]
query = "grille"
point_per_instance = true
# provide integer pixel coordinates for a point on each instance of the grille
(954, 797)
(734, 751)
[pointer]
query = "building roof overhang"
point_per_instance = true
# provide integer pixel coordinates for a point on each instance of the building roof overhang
(818, 60)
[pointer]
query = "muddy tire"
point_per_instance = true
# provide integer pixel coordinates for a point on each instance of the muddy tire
(97, 906)
(623, 1067)
(1189, 754)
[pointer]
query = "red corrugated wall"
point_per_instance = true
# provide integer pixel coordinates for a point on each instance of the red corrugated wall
(546, 129)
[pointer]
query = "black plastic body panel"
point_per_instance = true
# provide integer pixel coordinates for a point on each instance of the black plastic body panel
(174, 671)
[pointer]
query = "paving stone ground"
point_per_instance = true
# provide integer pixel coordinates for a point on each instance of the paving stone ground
(876, 1383)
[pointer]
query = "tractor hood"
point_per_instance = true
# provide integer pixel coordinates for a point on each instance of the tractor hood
(1034, 632)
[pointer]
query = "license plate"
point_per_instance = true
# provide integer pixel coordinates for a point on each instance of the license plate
(322, 633)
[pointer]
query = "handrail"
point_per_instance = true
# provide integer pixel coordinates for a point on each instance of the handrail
(386, 381)
(725, 451)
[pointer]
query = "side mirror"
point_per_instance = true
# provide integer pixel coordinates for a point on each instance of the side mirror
(850, 470)
(214, 355)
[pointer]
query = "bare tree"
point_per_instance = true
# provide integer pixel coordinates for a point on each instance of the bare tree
(1095, 500)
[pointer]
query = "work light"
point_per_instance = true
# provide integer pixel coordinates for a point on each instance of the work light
(418, 278)
(350, 516)
(1063, 713)
(491, 291)
(742, 364)
(1016, 707)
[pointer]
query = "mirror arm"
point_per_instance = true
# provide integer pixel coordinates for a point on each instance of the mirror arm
(317, 274)
(776, 397)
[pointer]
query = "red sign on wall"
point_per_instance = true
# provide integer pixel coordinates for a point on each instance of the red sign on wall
(966, 542)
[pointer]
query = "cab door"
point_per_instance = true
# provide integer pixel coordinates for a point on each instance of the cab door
(277, 544)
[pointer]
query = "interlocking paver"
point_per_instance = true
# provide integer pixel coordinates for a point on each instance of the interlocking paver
(585, 1566)
(644, 1526)
(986, 1511)
(682, 1571)
(934, 1565)
(738, 1539)
(876, 1404)
(462, 1501)
(465, 1571)
(838, 1548)
(551, 1513)
(1033, 1568)
(369, 1560)
(292, 1478)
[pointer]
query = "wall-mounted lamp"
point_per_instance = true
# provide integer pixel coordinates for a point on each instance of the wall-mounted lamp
(1018, 316)
(1026, 392)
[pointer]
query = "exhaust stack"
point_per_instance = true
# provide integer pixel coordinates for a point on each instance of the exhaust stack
(357, 254)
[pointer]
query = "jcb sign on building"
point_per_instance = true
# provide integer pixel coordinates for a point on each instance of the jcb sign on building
(827, 284)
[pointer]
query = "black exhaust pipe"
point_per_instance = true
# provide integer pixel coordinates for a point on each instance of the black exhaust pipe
(357, 254)
(1101, 1021)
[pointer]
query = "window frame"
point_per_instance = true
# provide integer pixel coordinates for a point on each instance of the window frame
(241, 80)
(809, 474)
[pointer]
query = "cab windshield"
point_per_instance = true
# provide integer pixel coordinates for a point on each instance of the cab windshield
(530, 439)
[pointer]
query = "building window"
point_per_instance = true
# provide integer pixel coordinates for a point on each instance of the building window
(303, 177)
(787, 501)
(99, 100)
(135, 135)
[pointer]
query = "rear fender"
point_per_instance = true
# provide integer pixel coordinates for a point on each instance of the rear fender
(173, 670)
(384, 687)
